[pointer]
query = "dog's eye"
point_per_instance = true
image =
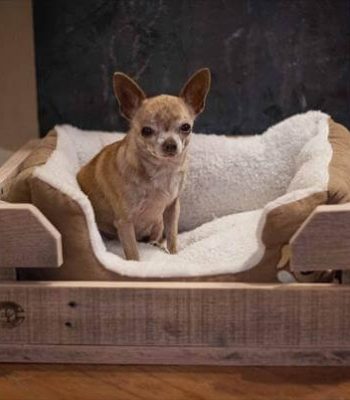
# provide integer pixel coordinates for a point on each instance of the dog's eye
(147, 131)
(185, 128)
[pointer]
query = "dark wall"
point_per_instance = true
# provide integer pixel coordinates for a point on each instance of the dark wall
(269, 59)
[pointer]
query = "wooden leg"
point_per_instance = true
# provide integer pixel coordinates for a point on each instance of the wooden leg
(126, 234)
(171, 222)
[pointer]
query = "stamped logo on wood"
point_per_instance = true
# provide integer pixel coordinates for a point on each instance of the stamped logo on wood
(11, 314)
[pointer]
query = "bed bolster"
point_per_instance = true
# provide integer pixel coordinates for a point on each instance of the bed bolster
(323, 241)
(28, 239)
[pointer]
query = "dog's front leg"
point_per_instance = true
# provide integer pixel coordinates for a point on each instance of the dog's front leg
(127, 237)
(171, 223)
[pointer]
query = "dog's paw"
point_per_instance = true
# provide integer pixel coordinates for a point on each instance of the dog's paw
(172, 250)
(172, 246)
(160, 245)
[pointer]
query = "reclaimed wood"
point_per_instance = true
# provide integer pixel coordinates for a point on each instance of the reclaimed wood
(186, 355)
(323, 240)
(212, 323)
(10, 168)
(229, 323)
(8, 274)
(7, 172)
(27, 238)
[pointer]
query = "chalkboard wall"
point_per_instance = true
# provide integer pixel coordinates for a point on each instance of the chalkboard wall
(269, 59)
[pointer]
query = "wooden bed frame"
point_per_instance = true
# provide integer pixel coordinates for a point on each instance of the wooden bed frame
(170, 322)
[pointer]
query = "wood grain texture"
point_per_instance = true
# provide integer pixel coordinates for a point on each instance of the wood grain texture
(7, 172)
(10, 169)
(91, 382)
(186, 355)
(27, 238)
(293, 321)
(323, 241)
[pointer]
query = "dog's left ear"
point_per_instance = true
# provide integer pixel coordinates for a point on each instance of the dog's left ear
(128, 93)
(195, 90)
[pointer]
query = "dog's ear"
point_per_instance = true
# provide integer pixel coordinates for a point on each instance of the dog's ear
(128, 93)
(195, 90)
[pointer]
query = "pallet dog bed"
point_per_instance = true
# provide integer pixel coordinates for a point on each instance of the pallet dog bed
(176, 322)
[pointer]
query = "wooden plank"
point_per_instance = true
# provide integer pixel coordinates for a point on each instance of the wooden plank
(156, 355)
(10, 168)
(173, 315)
(27, 238)
(323, 241)
(8, 274)
(7, 172)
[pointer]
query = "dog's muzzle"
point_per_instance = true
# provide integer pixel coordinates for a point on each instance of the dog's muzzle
(169, 147)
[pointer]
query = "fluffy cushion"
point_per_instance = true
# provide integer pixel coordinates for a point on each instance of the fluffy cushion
(243, 199)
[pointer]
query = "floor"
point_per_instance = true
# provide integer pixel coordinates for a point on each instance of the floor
(61, 382)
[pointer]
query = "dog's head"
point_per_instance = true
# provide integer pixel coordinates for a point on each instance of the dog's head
(162, 125)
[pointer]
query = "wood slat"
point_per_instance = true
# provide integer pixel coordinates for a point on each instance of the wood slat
(27, 238)
(323, 241)
(7, 172)
(10, 168)
(155, 355)
(172, 315)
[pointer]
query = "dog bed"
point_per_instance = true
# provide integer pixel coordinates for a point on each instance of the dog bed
(243, 200)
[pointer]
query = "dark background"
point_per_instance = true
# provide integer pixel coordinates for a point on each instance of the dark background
(269, 58)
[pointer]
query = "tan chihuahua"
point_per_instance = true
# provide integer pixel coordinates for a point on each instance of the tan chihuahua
(134, 184)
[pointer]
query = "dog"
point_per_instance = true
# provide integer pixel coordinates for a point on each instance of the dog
(134, 184)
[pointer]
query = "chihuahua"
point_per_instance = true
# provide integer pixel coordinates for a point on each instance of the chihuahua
(134, 184)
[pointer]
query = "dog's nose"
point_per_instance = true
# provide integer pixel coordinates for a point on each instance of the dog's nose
(169, 147)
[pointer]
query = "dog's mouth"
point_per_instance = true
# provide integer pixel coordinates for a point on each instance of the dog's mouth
(169, 154)
(163, 155)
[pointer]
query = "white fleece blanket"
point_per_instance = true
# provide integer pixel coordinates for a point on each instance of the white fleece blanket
(232, 184)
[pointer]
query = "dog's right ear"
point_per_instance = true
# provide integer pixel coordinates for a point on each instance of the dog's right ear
(196, 89)
(128, 93)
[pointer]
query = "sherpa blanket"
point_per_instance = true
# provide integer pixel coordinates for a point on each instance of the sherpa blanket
(244, 198)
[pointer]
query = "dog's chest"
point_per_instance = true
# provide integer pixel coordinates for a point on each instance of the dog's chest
(156, 194)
